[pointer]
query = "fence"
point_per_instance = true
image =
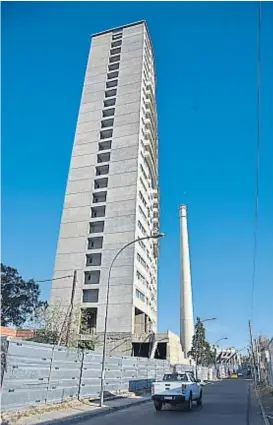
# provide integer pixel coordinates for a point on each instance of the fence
(4, 349)
(269, 364)
(37, 374)
(204, 373)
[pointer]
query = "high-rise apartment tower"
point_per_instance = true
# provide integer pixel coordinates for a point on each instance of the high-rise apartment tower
(112, 190)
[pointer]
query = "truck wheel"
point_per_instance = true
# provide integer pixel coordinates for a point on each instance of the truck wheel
(189, 404)
(199, 400)
(158, 405)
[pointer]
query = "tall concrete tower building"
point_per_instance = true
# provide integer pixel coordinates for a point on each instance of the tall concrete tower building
(112, 189)
(186, 305)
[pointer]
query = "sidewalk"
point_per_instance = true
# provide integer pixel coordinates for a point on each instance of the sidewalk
(255, 411)
(265, 399)
(73, 412)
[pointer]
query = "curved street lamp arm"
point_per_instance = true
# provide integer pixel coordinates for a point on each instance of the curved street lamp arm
(115, 257)
(126, 246)
(207, 320)
(107, 304)
(220, 339)
(122, 249)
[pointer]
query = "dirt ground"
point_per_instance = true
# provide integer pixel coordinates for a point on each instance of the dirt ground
(13, 417)
(266, 396)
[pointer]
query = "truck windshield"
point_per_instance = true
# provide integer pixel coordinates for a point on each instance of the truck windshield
(175, 377)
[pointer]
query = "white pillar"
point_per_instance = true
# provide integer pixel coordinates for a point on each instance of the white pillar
(186, 306)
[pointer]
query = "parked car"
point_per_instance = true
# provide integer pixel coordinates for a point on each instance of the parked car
(177, 388)
(234, 375)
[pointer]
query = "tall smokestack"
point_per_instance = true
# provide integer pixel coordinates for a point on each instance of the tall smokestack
(186, 307)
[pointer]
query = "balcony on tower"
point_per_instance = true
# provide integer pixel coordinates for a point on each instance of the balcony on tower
(96, 227)
(88, 321)
(103, 157)
(102, 170)
(101, 183)
(99, 197)
(98, 211)
(93, 259)
(95, 242)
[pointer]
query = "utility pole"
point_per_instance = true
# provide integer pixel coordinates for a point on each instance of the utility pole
(70, 314)
(257, 347)
(197, 357)
(215, 358)
(252, 352)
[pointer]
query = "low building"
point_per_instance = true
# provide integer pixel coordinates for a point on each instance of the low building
(165, 346)
(16, 333)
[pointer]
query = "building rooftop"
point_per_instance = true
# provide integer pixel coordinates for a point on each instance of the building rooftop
(116, 29)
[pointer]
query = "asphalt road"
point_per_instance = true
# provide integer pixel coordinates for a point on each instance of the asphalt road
(224, 403)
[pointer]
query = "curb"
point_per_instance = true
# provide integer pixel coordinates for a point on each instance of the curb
(80, 417)
(266, 421)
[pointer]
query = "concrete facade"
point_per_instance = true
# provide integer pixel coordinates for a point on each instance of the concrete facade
(112, 189)
(186, 304)
(169, 341)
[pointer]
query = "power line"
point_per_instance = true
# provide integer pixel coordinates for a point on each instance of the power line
(257, 179)
(46, 280)
(56, 278)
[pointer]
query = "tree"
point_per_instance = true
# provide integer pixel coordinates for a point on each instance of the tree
(47, 324)
(208, 355)
(198, 340)
(52, 327)
(201, 351)
(88, 345)
(19, 297)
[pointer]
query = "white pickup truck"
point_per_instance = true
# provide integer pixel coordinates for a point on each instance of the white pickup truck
(177, 388)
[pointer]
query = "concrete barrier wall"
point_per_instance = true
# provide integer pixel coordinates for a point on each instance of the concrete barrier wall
(270, 364)
(203, 373)
(38, 374)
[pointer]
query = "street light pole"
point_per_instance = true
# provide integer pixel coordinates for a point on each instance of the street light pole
(207, 320)
(197, 354)
(215, 353)
(158, 236)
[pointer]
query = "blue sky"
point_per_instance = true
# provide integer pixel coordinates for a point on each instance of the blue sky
(205, 57)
